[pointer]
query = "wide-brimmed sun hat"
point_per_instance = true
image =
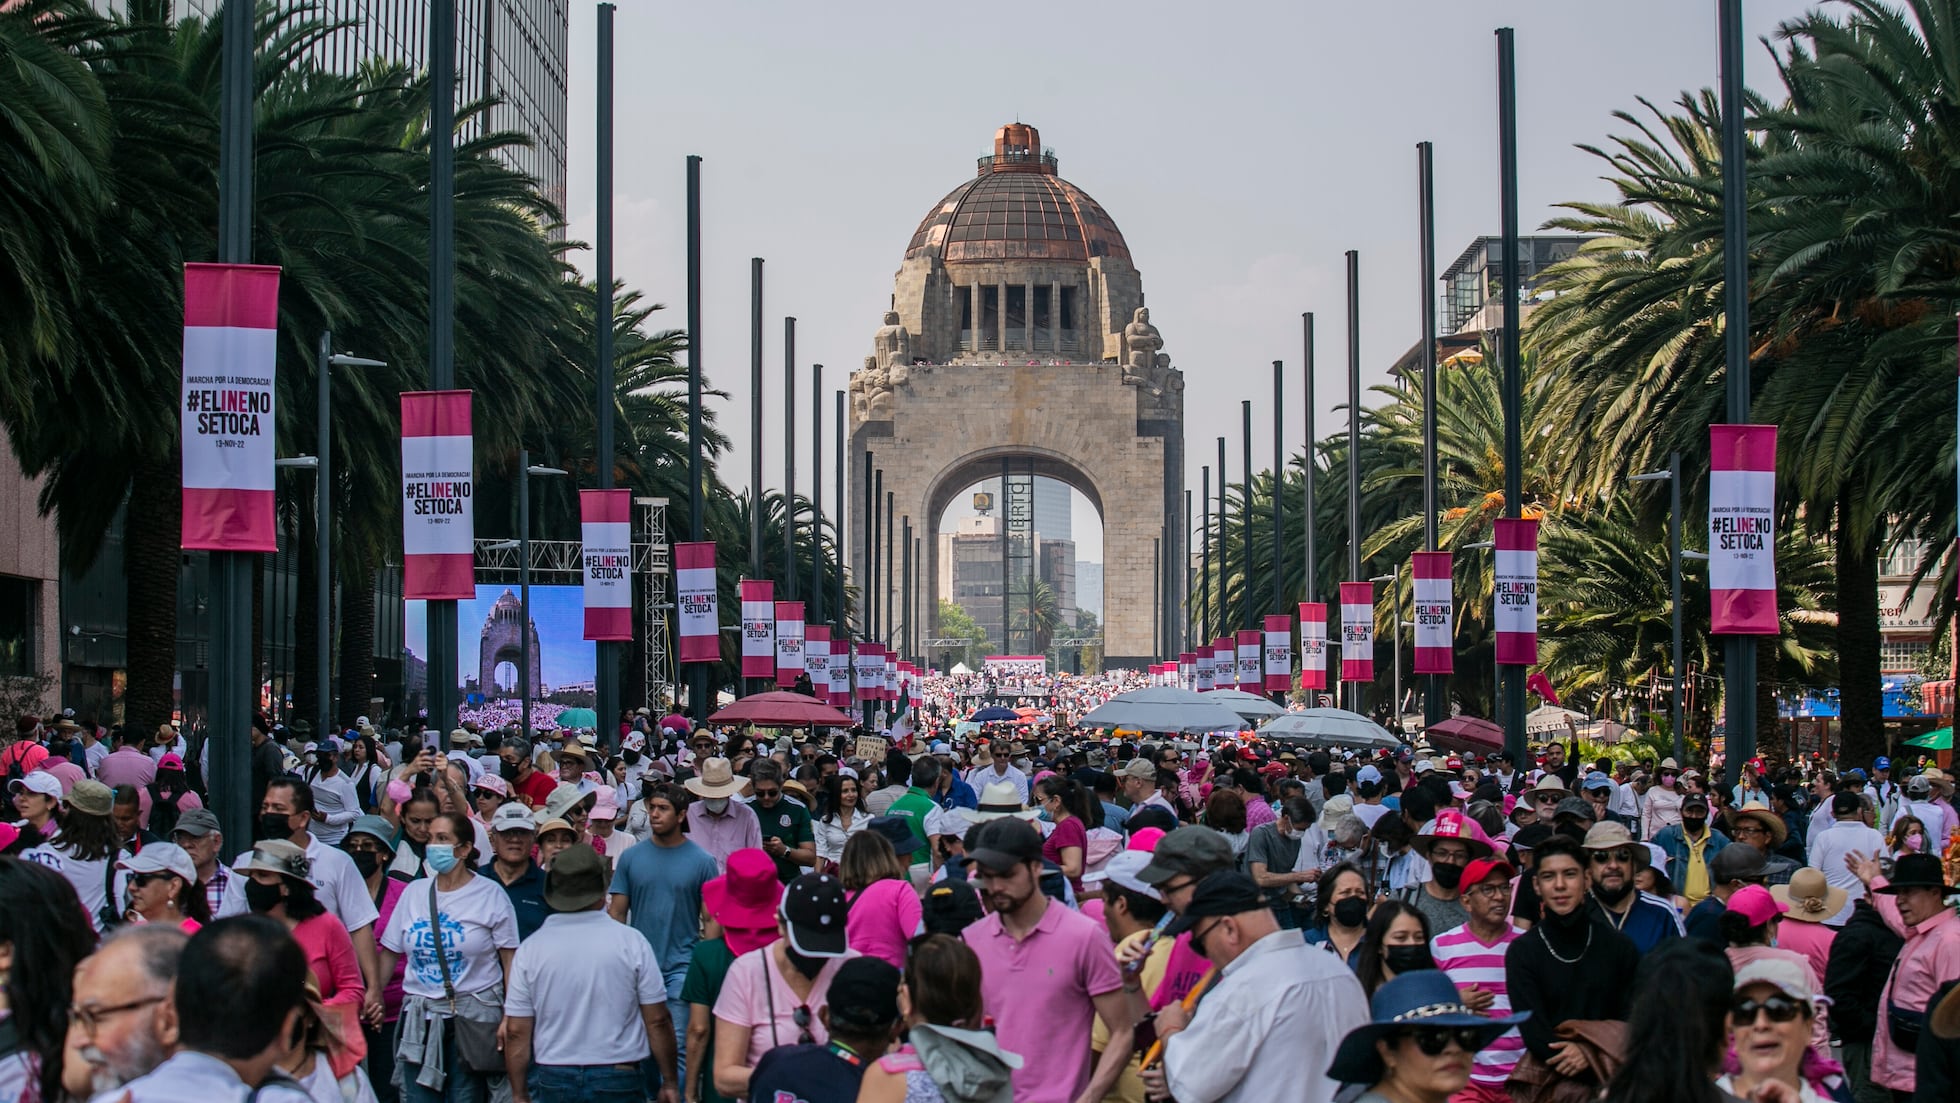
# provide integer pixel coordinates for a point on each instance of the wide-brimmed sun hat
(716, 778)
(998, 799)
(1426, 997)
(744, 900)
(1810, 898)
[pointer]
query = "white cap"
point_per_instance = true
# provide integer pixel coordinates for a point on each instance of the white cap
(162, 858)
(37, 781)
(512, 817)
(1122, 870)
(1784, 975)
(1368, 774)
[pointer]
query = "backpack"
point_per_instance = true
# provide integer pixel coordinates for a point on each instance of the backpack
(163, 813)
(16, 756)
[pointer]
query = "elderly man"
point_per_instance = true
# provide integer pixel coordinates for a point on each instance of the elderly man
(1139, 780)
(122, 1026)
(1616, 861)
(1472, 956)
(527, 783)
(197, 832)
(716, 822)
(1270, 986)
(1913, 903)
(1848, 833)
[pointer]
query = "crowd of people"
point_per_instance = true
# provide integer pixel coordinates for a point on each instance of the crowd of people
(1055, 916)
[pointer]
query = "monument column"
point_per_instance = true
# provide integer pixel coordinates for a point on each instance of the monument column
(973, 294)
(1000, 315)
(1027, 312)
(1055, 315)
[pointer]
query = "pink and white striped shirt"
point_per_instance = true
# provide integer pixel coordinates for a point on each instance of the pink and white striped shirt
(1466, 961)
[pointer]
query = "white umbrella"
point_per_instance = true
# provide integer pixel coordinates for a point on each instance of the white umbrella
(1249, 705)
(1163, 709)
(1337, 727)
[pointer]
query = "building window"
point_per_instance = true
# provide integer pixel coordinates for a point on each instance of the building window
(1068, 309)
(1902, 655)
(19, 602)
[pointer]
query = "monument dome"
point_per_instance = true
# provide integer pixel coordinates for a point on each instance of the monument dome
(1017, 208)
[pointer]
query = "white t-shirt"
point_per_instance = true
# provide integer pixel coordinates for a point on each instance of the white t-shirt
(178, 747)
(334, 797)
(476, 921)
(339, 886)
(92, 880)
(584, 978)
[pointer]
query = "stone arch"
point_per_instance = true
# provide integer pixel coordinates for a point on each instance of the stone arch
(500, 643)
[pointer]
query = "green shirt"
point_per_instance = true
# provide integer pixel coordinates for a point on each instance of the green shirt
(915, 807)
(789, 822)
(703, 987)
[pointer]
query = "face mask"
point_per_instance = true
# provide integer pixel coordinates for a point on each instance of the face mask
(262, 898)
(507, 769)
(1408, 959)
(632, 758)
(1667, 783)
(1045, 817)
(367, 861)
(1351, 911)
(1914, 841)
(1300, 834)
(1447, 876)
(716, 805)
(440, 856)
(275, 825)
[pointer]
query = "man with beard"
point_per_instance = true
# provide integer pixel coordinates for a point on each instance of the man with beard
(123, 1025)
(1572, 964)
(1690, 846)
(1616, 860)
(1046, 973)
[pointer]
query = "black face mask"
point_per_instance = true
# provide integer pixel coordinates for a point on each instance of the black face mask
(1448, 876)
(367, 861)
(507, 769)
(262, 898)
(1408, 959)
(275, 825)
(1351, 911)
(808, 966)
(632, 757)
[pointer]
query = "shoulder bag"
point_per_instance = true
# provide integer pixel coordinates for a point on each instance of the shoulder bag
(476, 1039)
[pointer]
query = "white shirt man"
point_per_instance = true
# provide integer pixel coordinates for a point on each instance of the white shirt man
(1846, 832)
(1000, 770)
(334, 797)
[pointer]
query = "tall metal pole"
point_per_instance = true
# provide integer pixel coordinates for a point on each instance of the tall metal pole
(789, 458)
(868, 565)
(607, 652)
(697, 681)
(837, 477)
(905, 588)
(875, 511)
(323, 545)
(816, 494)
(891, 571)
(755, 417)
(524, 589)
(1355, 692)
(1432, 684)
(1204, 556)
(1279, 471)
(1245, 514)
(1190, 611)
(1510, 678)
(1738, 652)
(1310, 456)
(1224, 558)
(1674, 582)
(443, 648)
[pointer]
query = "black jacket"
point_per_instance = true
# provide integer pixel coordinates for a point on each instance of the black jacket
(1861, 959)
(1938, 1060)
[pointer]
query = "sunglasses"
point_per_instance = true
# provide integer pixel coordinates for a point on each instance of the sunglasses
(1433, 1040)
(1780, 1009)
(141, 880)
(1622, 856)
(802, 1019)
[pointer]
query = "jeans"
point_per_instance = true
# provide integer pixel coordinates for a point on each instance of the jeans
(459, 1084)
(381, 1061)
(677, 1010)
(586, 1084)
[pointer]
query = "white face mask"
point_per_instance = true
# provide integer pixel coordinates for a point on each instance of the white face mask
(1296, 834)
(716, 805)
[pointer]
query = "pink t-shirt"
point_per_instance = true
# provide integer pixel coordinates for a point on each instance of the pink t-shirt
(1040, 991)
(1069, 832)
(883, 918)
(754, 987)
(1467, 962)
(330, 955)
(1812, 940)
(1181, 974)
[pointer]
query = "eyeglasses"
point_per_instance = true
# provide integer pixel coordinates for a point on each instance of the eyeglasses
(768, 794)
(1492, 890)
(1433, 1040)
(1780, 1009)
(1603, 857)
(1198, 938)
(90, 1018)
(802, 1019)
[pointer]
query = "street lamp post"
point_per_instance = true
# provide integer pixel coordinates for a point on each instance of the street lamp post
(526, 469)
(1395, 635)
(1496, 677)
(1673, 477)
(323, 533)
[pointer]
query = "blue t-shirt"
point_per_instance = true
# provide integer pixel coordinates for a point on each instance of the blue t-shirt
(662, 886)
(1115, 816)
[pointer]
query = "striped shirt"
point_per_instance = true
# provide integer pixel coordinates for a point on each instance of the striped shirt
(1467, 961)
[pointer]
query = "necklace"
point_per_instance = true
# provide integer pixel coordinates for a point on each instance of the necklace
(1618, 919)
(1556, 956)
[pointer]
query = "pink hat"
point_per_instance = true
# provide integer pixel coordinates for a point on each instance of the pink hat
(1452, 824)
(492, 783)
(398, 791)
(1145, 839)
(1754, 903)
(744, 900)
(171, 761)
(605, 808)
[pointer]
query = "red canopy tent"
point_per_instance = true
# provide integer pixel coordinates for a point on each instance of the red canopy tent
(781, 709)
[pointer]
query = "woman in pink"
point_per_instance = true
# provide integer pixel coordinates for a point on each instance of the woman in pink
(1750, 927)
(885, 911)
(1065, 803)
(775, 996)
(276, 885)
(1811, 901)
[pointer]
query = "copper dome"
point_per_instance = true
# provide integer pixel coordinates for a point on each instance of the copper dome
(1017, 208)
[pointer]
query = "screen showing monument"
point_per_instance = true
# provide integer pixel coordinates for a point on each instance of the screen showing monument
(563, 663)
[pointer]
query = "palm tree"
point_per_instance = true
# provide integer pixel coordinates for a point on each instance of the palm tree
(1040, 617)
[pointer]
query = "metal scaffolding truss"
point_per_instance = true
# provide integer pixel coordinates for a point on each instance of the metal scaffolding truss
(559, 563)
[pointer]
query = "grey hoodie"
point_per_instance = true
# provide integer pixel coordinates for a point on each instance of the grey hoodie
(968, 1065)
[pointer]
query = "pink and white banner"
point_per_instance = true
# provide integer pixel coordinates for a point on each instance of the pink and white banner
(1435, 636)
(870, 664)
(606, 554)
(816, 659)
(1187, 669)
(438, 482)
(1279, 653)
(789, 642)
(1742, 530)
(1224, 663)
(891, 678)
(231, 335)
(1313, 645)
(695, 593)
(1357, 631)
(1515, 616)
(1204, 672)
(1251, 668)
(840, 674)
(758, 628)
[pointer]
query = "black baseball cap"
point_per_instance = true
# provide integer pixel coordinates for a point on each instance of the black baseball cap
(863, 996)
(950, 906)
(1005, 843)
(1192, 851)
(814, 909)
(1226, 892)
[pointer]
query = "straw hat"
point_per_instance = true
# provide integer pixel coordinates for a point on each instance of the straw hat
(1772, 823)
(716, 779)
(1810, 898)
(998, 799)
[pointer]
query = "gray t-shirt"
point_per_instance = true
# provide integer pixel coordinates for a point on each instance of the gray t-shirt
(1278, 852)
(1442, 914)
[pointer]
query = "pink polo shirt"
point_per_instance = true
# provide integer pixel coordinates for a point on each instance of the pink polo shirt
(883, 918)
(1040, 992)
(1930, 957)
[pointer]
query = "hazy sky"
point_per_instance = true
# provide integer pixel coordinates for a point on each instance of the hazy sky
(1241, 147)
